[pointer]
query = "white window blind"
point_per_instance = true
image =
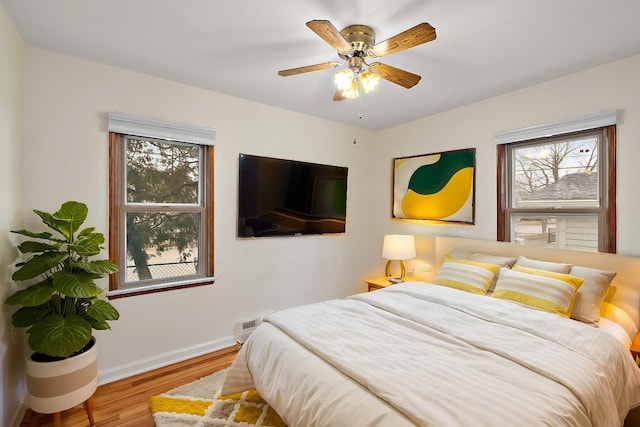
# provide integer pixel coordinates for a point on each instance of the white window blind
(153, 128)
(605, 118)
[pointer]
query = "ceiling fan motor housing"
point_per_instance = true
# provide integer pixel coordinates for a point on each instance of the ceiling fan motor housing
(361, 38)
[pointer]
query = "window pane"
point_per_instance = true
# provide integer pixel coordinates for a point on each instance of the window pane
(578, 232)
(162, 172)
(162, 245)
(561, 174)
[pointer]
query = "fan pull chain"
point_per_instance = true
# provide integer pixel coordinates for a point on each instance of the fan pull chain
(355, 119)
(355, 129)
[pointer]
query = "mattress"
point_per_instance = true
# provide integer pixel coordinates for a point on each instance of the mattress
(416, 354)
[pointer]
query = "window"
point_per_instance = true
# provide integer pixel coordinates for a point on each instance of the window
(161, 206)
(559, 191)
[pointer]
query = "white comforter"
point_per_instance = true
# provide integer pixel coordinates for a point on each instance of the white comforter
(416, 354)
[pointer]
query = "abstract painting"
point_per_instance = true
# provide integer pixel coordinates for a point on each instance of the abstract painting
(435, 187)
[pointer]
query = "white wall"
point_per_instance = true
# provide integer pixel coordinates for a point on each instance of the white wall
(12, 66)
(609, 87)
(67, 101)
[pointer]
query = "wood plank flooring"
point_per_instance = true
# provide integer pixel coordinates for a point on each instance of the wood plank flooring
(125, 403)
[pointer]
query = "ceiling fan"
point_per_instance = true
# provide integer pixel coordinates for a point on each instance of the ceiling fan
(355, 44)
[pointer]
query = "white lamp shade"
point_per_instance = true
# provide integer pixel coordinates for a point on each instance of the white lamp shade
(398, 247)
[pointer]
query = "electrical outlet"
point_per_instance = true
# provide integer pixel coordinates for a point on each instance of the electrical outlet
(410, 271)
(426, 268)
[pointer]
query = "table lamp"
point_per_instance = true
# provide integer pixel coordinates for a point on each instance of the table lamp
(398, 247)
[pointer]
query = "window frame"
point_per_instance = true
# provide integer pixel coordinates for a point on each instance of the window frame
(607, 227)
(118, 208)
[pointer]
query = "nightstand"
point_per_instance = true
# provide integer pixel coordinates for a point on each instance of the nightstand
(635, 348)
(377, 283)
(383, 282)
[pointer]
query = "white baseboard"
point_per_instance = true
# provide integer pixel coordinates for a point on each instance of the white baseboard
(16, 421)
(161, 360)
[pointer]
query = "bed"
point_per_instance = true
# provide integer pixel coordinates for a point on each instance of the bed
(427, 354)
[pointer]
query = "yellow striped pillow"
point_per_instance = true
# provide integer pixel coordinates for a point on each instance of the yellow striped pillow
(466, 275)
(546, 290)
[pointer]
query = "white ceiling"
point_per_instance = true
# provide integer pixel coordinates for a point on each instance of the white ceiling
(483, 47)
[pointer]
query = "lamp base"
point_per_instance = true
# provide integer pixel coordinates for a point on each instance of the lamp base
(387, 269)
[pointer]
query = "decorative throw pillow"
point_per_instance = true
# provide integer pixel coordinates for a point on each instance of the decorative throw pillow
(556, 267)
(470, 276)
(591, 294)
(501, 261)
(545, 290)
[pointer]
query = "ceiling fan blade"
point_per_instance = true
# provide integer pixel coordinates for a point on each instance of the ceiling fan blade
(412, 37)
(330, 34)
(307, 68)
(338, 95)
(394, 75)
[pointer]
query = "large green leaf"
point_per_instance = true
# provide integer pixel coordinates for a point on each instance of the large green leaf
(73, 212)
(88, 245)
(102, 310)
(38, 265)
(32, 296)
(27, 316)
(86, 231)
(76, 285)
(52, 222)
(100, 267)
(43, 235)
(59, 336)
(67, 220)
(31, 246)
(99, 325)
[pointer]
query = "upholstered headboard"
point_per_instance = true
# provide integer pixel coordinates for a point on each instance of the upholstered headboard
(625, 288)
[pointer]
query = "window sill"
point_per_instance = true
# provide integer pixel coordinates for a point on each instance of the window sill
(151, 289)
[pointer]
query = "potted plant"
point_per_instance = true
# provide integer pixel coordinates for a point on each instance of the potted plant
(60, 307)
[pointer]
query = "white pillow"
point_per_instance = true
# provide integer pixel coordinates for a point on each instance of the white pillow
(615, 314)
(555, 267)
(502, 261)
(591, 294)
(460, 254)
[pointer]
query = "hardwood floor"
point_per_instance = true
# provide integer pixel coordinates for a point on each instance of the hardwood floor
(125, 403)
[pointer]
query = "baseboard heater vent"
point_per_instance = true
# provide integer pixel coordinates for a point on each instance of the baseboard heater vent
(242, 330)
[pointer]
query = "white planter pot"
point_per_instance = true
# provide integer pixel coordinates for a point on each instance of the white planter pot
(57, 386)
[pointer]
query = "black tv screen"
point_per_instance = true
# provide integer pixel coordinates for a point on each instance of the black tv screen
(286, 197)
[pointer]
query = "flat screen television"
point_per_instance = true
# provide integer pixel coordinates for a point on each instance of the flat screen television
(279, 197)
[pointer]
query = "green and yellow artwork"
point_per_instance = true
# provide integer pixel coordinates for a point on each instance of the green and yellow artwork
(437, 187)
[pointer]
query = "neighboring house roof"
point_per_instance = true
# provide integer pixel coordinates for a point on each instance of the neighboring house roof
(573, 186)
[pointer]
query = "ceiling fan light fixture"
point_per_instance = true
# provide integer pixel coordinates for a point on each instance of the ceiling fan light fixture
(349, 82)
(353, 91)
(369, 81)
(344, 79)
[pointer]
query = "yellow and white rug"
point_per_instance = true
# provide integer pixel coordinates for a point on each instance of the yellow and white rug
(199, 404)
